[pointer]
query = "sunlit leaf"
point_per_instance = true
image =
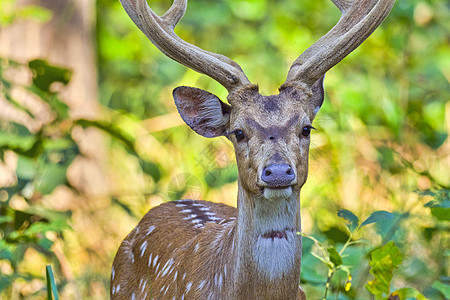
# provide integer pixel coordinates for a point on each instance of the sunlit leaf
(384, 261)
(407, 293)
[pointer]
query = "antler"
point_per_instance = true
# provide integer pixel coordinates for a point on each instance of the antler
(160, 31)
(359, 19)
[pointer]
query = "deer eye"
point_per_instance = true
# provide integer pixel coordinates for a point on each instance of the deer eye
(306, 131)
(239, 134)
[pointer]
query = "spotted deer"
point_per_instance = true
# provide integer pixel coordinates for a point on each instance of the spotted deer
(189, 249)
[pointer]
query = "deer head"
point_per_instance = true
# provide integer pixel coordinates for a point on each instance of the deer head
(270, 134)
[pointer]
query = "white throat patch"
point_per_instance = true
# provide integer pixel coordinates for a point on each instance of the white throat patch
(276, 256)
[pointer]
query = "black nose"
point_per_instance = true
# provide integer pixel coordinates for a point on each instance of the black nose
(278, 175)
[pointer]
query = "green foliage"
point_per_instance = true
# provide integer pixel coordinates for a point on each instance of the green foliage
(384, 261)
(444, 288)
(382, 143)
(440, 206)
(52, 290)
(11, 13)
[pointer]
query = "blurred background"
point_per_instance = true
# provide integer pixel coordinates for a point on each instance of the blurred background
(90, 139)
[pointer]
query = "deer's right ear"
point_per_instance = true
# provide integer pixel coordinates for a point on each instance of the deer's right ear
(202, 111)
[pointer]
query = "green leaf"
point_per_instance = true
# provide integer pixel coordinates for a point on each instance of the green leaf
(440, 209)
(151, 169)
(377, 216)
(42, 227)
(350, 217)
(51, 284)
(443, 288)
(44, 74)
(29, 146)
(407, 293)
(441, 213)
(6, 281)
(6, 219)
(383, 262)
(335, 258)
(50, 177)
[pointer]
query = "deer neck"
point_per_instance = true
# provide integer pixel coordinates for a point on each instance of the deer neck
(267, 246)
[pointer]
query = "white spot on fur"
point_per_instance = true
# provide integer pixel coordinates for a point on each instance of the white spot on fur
(201, 284)
(150, 229)
(188, 287)
(225, 270)
(186, 211)
(219, 283)
(117, 288)
(143, 287)
(143, 248)
(133, 297)
(180, 205)
(184, 276)
(196, 247)
(167, 288)
(175, 276)
(150, 259)
(112, 273)
(166, 267)
(190, 217)
(155, 260)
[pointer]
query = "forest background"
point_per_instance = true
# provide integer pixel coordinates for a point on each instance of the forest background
(90, 140)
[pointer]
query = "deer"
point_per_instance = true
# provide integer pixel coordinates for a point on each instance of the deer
(193, 249)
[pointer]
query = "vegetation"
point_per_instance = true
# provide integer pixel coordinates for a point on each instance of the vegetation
(381, 152)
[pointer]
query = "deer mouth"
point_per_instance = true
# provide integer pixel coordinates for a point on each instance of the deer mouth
(277, 193)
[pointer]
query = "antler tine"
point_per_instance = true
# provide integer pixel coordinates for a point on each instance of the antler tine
(175, 13)
(160, 31)
(343, 5)
(359, 19)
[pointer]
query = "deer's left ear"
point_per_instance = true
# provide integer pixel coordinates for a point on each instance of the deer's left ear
(318, 94)
(202, 111)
